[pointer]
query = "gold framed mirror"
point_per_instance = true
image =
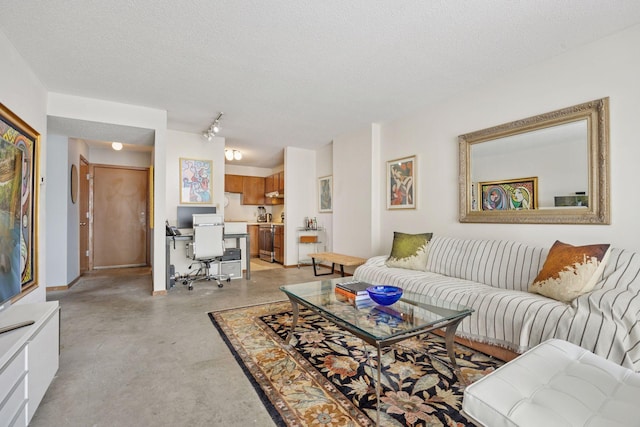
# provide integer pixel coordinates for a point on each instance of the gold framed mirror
(74, 183)
(566, 153)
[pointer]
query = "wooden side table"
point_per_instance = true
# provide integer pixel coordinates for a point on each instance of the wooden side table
(334, 259)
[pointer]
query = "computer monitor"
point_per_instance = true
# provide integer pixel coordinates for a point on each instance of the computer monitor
(185, 214)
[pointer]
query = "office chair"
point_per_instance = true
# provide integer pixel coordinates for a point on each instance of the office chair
(206, 250)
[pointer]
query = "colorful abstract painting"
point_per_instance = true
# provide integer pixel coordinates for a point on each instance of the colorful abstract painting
(401, 183)
(513, 194)
(10, 186)
(15, 132)
(195, 181)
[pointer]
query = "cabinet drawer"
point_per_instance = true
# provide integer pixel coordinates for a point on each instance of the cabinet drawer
(232, 268)
(13, 387)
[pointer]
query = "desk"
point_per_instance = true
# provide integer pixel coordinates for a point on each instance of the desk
(189, 237)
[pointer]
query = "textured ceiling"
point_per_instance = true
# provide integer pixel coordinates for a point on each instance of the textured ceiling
(293, 72)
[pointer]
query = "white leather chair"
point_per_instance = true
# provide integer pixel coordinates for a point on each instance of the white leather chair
(206, 249)
(556, 383)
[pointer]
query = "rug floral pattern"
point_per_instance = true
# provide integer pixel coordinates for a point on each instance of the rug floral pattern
(326, 377)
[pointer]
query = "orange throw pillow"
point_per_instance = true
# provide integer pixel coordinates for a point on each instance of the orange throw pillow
(570, 271)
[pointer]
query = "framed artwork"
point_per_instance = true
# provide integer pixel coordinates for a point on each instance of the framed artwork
(195, 181)
(19, 160)
(401, 185)
(325, 194)
(512, 194)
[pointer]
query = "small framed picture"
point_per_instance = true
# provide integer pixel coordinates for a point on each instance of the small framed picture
(512, 194)
(401, 185)
(195, 181)
(325, 194)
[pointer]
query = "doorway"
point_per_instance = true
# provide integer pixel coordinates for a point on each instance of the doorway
(120, 216)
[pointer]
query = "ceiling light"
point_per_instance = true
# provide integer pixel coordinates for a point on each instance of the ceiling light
(116, 146)
(213, 129)
(232, 154)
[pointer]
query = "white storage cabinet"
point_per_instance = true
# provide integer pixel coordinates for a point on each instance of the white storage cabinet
(29, 359)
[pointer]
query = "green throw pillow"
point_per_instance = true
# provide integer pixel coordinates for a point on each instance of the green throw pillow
(409, 251)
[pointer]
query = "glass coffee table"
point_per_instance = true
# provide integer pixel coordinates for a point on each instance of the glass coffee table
(380, 326)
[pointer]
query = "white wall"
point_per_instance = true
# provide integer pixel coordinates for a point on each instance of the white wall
(324, 167)
(604, 68)
(354, 171)
(56, 208)
(300, 196)
(192, 146)
(109, 156)
(23, 93)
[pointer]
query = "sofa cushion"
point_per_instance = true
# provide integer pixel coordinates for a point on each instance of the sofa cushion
(498, 263)
(409, 250)
(570, 271)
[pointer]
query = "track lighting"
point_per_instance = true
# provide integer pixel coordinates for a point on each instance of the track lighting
(213, 129)
(232, 154)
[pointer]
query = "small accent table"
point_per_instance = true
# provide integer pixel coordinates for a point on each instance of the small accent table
(413, 315)
(334, 259)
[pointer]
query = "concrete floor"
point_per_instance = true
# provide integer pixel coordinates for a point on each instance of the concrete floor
(130, 359)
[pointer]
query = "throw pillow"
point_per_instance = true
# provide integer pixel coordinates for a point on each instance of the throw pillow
(570, 271)
(409, 251)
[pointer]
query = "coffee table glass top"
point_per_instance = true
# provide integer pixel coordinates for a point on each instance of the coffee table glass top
(412, 313)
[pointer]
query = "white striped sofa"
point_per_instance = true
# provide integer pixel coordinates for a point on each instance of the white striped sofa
(493, 277)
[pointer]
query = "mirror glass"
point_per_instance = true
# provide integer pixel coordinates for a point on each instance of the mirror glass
(551, 168)
(74, 183)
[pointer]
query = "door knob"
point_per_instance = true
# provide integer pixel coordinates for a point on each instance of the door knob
(83, 223)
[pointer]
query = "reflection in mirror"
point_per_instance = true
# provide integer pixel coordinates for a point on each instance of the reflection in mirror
(557, 156)
(558, 160)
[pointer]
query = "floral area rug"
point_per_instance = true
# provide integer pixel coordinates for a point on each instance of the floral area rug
(326, 376)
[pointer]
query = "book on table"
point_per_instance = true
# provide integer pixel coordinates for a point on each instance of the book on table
(355, 297)
(360, 302)
(354, 287)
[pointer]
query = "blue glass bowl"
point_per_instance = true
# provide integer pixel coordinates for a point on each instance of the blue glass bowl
(384, 295)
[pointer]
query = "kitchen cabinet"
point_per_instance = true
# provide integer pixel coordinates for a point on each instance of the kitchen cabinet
(254, 250)
(281, 182)
(253, 190)
(271, 183)
(233, 183)
(278, 243)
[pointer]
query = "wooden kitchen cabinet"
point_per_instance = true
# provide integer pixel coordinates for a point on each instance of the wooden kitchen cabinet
(278, 243)
(254, 248)
(281, 182)
(270, 183)
(233, 183)
(253, 190)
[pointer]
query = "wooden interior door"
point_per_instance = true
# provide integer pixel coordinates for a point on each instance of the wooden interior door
(83, 200)
(120, 216)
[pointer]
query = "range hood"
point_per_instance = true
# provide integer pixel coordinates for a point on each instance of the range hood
(275, 195)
